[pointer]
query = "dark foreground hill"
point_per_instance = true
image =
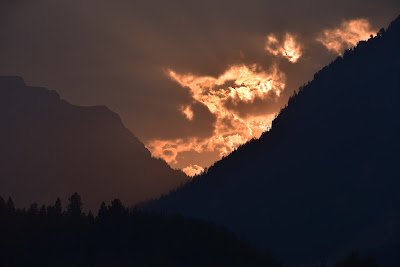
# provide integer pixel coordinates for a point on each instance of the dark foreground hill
(50, 148)
(325, 179)
(47, 236)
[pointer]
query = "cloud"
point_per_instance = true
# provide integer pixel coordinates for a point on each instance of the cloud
(250, 82)
(187, 111)
(238, 84)
(289, 48)
(100, 52)
(347, 35)
(235, 96)
(193, 170)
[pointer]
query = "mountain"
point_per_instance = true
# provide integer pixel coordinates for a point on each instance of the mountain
(325, 179)
(51, 148)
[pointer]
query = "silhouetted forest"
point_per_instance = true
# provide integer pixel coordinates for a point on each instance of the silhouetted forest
(118, 236)
(325, 179)
(50, 236)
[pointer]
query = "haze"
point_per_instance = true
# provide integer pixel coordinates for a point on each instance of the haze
(192, 80)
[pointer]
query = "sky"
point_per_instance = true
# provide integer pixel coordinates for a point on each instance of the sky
(192, 80)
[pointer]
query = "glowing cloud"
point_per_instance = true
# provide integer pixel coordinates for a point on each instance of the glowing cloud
(187, 111)
(193, 170)
(289, 48)
(347, 35)
(237, 85)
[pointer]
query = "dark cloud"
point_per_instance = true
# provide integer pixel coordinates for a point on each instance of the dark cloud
(167, 152)
(117, 52)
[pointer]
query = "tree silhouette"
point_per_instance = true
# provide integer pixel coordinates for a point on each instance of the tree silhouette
(33, 209)
(103, 212)
(117, 209)
(353, 260)
(10, 205)
(74, 208)
(42, 211)
(90, 217)
(2, 206)
(58, 207)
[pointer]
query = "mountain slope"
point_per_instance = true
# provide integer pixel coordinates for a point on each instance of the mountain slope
(51, 148)
(324, 180)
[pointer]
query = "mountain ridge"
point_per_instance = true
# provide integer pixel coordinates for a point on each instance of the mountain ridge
(321, 181)
(51, 137)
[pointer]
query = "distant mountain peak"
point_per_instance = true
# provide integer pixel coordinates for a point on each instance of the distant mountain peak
(52, 148)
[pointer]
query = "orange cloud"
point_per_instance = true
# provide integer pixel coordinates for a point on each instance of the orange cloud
(238, 84)
(289, 48)
(193, 170)
(187, 111)
(347, 35)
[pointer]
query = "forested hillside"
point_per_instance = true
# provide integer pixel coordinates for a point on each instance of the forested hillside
(324, 180)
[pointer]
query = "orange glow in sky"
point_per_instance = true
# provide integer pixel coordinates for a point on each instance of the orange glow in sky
(241, 85)
(187, 111)
(238, 84)
(193, 170)
(347, 35)
(289, 48)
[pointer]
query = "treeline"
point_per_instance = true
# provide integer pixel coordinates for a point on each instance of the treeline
(116, 236)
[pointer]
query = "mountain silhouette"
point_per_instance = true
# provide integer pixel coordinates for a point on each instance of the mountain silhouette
(52, 148)
(325, 179)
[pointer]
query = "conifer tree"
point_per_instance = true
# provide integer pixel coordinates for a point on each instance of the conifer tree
(74, 208)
